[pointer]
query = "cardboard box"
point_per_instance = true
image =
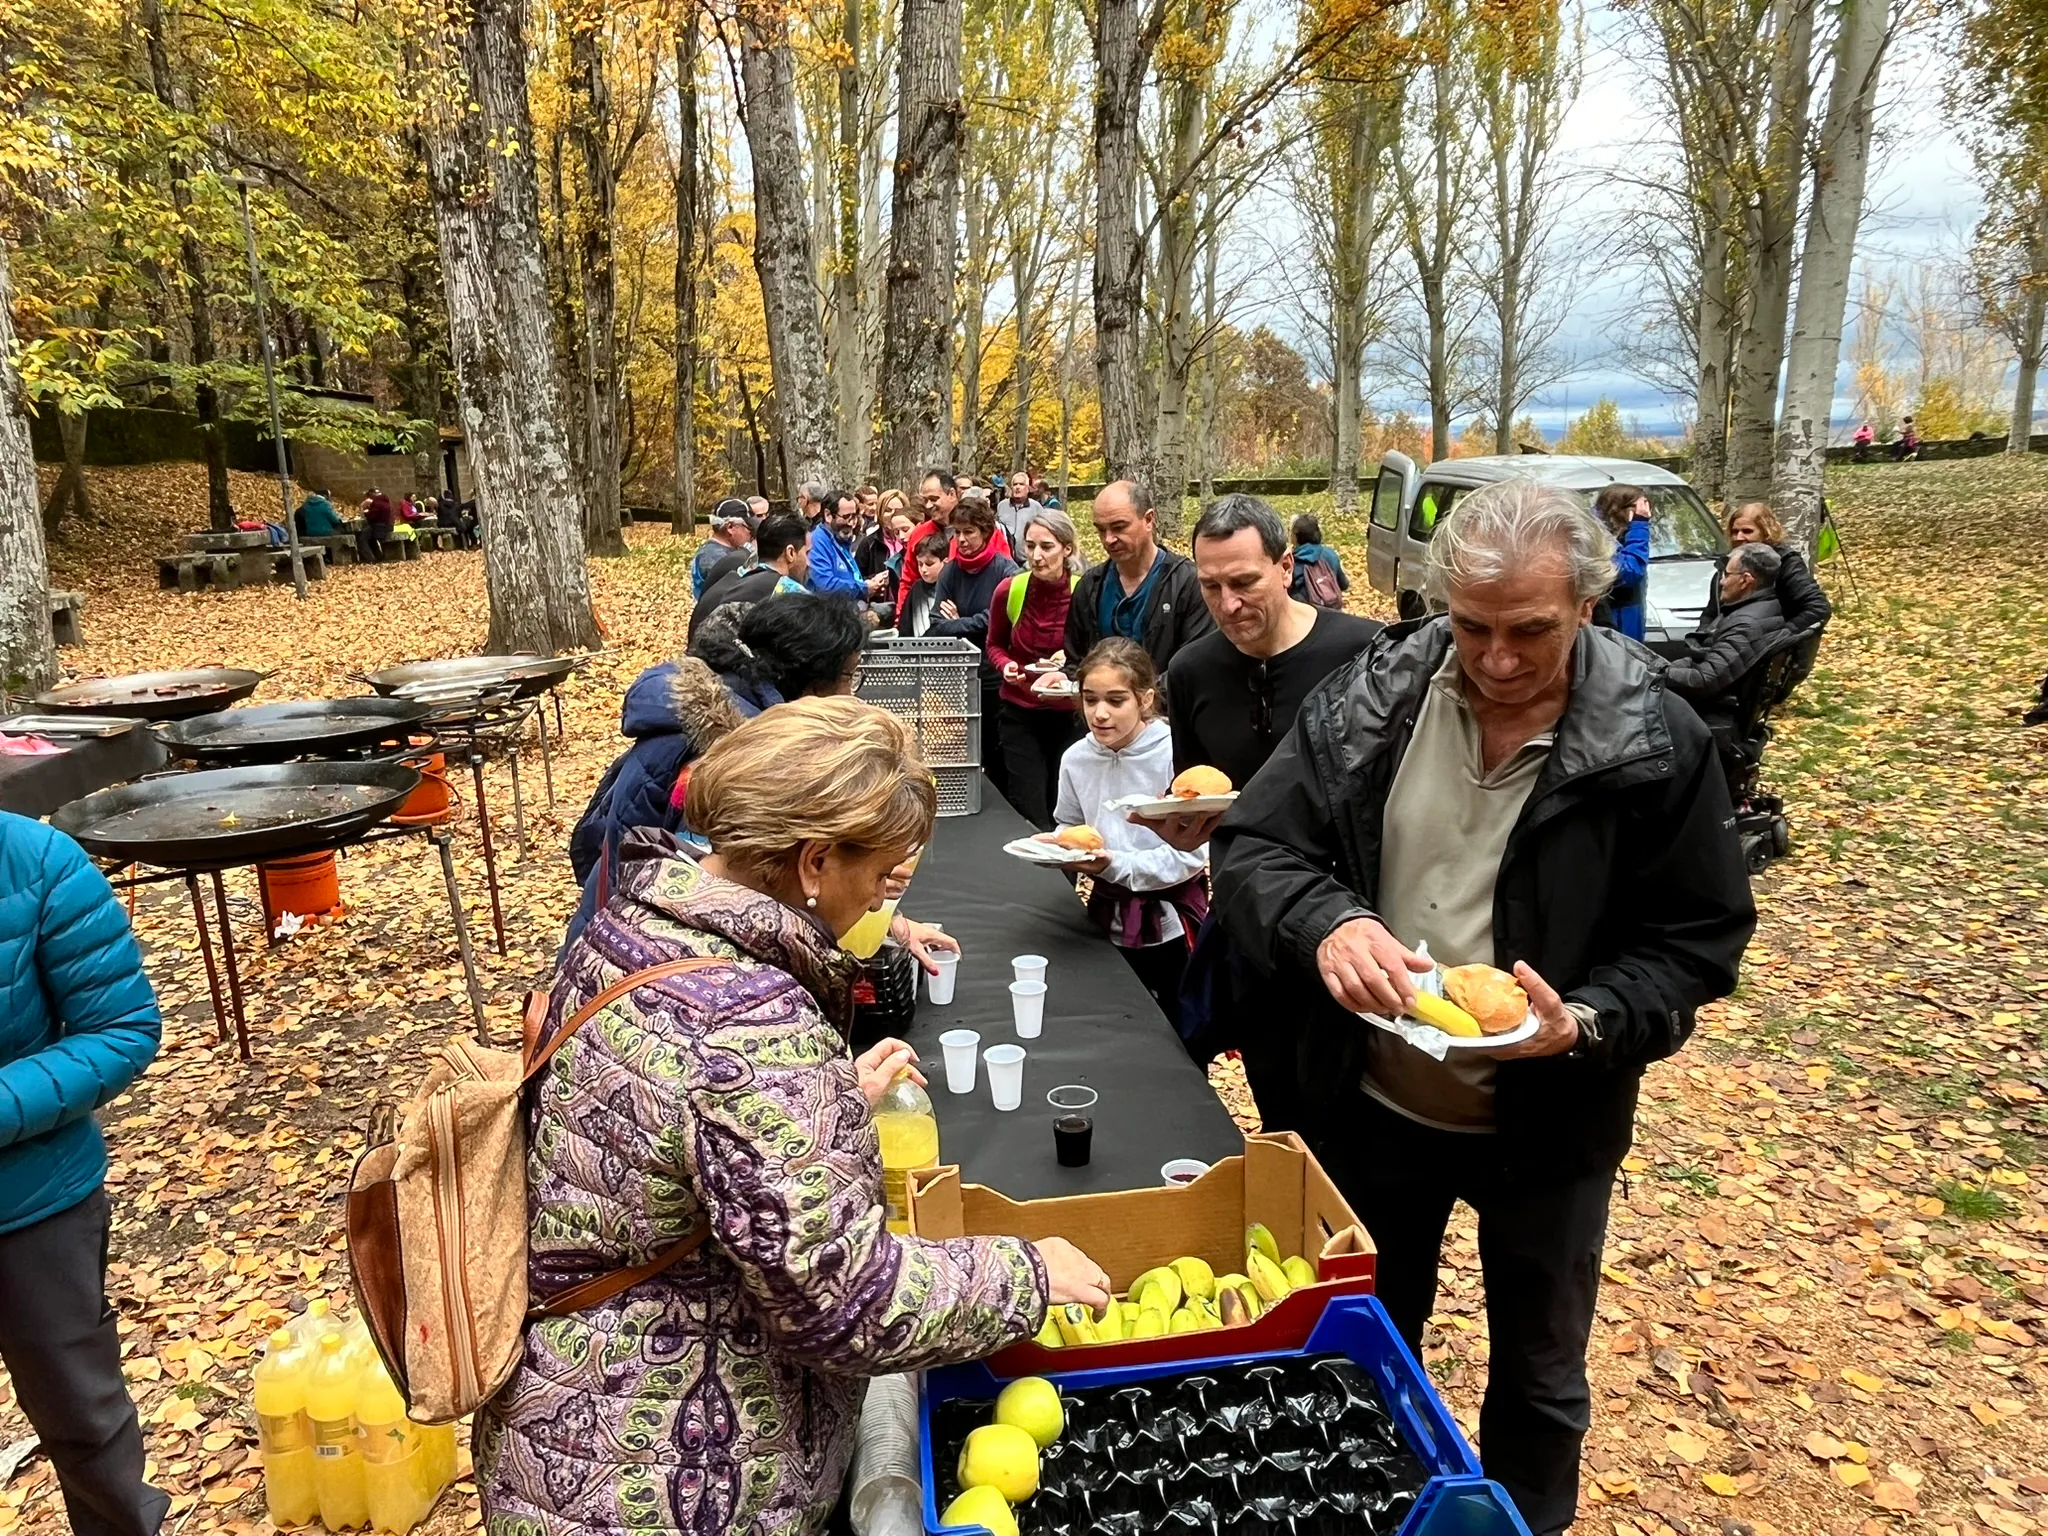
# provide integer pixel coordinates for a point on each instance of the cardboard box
(1276, 1180)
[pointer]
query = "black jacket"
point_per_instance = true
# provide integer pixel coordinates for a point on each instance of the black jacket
(970, 593)
(1806, 606)
(1622, 883)
(1178, 613)
(1718, 657)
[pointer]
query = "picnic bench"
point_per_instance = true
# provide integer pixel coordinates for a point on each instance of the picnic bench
(66, 617)
(196, 570)
(434, 538)
(340, 547)
(391, 547)
(312, 556)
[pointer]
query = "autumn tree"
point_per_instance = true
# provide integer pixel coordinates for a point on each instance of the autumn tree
(479, 138)
(28, 653)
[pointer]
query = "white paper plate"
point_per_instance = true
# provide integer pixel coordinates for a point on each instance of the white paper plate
(1032, 851)
(1044, 666)
(1431, 1041)
(1153, 809)
(1055, 690)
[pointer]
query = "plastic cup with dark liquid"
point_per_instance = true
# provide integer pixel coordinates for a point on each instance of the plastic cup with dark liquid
(1073, 1123)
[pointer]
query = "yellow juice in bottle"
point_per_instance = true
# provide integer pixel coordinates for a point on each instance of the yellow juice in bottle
(337, 1446)
(909, 1133)
(865, 936)
(400, 1480)
(284, 1433)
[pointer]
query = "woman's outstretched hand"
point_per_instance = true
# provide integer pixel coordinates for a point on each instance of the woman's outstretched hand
(921, 939)
(1070, 1275)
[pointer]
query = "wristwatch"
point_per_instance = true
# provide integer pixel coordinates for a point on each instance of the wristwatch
(1589, 1029)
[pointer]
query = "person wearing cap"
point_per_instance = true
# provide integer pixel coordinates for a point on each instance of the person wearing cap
(725, 548)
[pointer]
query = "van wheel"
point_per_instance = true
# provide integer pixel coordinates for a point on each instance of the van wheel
(1410, 605)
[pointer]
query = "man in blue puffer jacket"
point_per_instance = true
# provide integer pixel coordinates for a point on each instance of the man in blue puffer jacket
(78, 1023)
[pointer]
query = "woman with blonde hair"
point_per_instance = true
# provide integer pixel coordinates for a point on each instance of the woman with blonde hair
(721, 1393)
(1027, 625)
(1806, 606)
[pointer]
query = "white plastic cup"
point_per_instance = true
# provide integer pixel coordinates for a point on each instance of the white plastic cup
(938, 986)
(960, 1046)
(1005, 1075)
(1027, 1006)
(1181, 1171)
(1029, 967)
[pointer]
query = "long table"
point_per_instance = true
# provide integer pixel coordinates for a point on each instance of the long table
(1101, 1026)
(36, 786)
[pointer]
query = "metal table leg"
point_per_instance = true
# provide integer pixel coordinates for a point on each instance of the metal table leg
(556, 695)
(227, 950)
(518, 801)
(444, 840)
(483, 822)
(200, 920)
(547, 757)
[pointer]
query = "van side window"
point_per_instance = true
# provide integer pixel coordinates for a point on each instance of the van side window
(1431, 503)
(1386, 499)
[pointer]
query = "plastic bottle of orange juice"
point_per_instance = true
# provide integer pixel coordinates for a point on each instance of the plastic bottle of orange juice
(311, 1323)
(399, 1474)
(337, 1445)
(909, 1132)
(284, 1432)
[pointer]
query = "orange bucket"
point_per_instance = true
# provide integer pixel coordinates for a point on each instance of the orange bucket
(307, 886)
(433, 802)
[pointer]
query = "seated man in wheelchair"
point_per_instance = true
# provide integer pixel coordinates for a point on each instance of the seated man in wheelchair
(1721, 656)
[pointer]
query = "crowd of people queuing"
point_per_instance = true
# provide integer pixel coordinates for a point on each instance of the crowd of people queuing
(1510, 780)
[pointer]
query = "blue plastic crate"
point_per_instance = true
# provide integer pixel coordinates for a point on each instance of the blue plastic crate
(1456, 1501)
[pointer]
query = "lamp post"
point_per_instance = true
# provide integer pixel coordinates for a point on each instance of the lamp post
(284, 473)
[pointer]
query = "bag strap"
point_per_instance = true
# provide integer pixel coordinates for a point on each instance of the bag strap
(611, 994)
(580, 1298)
(591, 1293)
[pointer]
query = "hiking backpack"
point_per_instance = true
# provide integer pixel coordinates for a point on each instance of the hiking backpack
(1319, 584)
(437, 1219)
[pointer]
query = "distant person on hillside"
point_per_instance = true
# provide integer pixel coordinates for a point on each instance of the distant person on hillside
(317, 517)
(1318, 572)
(1863, 439)
(1907, 444)
(1624, 511)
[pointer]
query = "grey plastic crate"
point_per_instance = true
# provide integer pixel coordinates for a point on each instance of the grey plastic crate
(959, 790)
(932, 683)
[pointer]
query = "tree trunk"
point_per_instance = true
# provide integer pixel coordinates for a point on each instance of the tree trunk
(598, 272)
(1205, 399)
(1180, 226)
(782, 253)
(917, 324)
(419, 300)
(71, 492)
(1022, 280)
(1716, 330)
(1123, 51)
(1354, 196)
(1770, 224)
(28, 653)
(2033, 314)
(973, 298)
(501, 335)
(1840, 165)
(849, 349)
(683, 519)
(220, 510)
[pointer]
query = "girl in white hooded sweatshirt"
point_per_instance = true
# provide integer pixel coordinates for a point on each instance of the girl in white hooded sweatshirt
(1149, 897)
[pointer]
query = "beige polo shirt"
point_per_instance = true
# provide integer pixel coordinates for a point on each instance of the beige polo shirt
(1447, 825)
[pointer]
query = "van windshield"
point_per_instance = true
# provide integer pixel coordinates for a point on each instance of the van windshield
(1681, 527)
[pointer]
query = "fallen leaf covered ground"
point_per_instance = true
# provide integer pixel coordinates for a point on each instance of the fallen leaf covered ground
(1826, 1293)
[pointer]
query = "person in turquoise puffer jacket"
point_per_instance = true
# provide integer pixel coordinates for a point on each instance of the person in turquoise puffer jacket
(78, 1023)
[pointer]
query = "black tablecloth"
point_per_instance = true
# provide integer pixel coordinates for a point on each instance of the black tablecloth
(1101, 1026)
(36, 786)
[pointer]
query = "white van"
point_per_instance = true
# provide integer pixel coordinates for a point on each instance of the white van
(1685, 541)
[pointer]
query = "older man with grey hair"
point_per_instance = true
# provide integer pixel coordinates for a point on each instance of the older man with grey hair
(1517, 789)
(1749, 618)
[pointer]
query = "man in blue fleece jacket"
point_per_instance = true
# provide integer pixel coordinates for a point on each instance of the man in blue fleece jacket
(78, 1023)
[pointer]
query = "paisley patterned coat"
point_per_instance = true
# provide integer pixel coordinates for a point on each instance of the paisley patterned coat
(720, 1395)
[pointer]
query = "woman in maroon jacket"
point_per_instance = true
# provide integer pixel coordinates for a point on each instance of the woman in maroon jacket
(1027, 622)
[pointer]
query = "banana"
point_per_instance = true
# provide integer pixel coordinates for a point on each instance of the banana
(1183, 1321)
(1075, 1324)
(1196, 1277)
(1445, 1015)
(1268, 1277)
(1230, 1283)
(1230, 1307)
(1259, 1236)
(1109, 1328)
(1049, 1335)
(1298, 1271)
(1254, 1303)
(1206, 1314)
(1130, 1310)
(1163, 1279)
(1151, 1324)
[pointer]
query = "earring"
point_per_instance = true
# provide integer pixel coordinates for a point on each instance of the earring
(810, 901)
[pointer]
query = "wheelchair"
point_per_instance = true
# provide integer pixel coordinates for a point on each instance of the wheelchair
(1759, 817)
